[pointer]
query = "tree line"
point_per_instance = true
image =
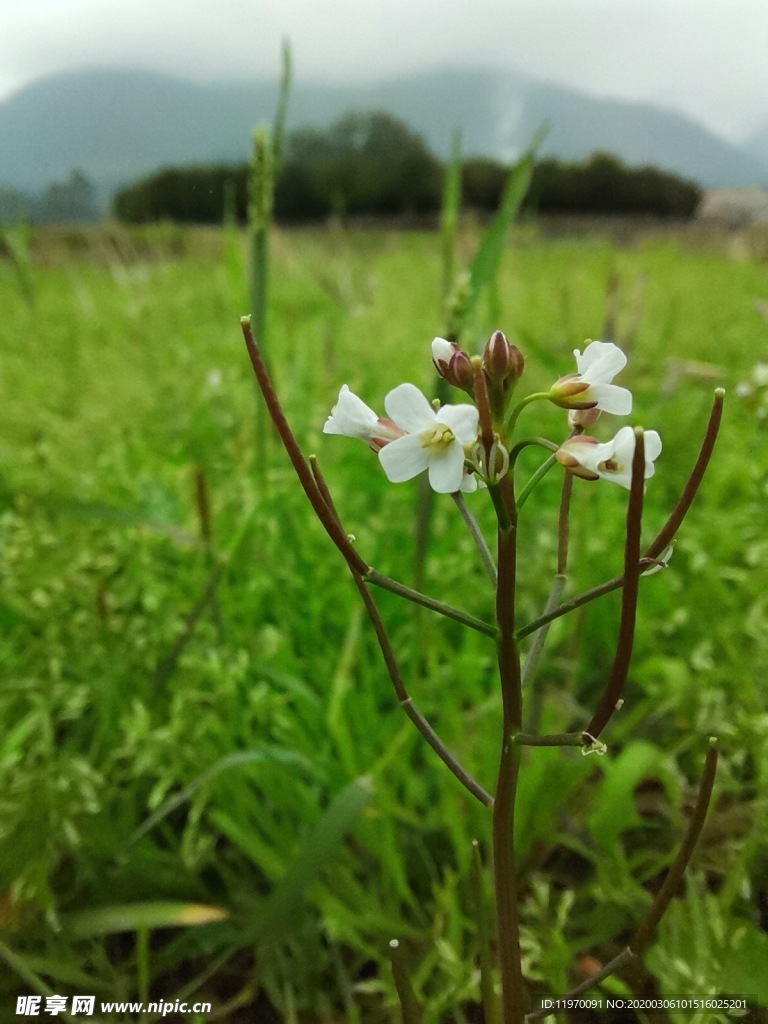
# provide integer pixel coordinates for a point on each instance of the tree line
(372, 164)
(71, 201)
(364, 164)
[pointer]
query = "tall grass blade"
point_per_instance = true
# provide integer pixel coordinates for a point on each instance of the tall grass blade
(486, 261)
(317, 851)
(129, 917)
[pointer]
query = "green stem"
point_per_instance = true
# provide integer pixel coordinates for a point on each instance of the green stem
(539, 475)
(409, 1004)
(379, 580)
(538, 396)
(560, 739)
(477, 536)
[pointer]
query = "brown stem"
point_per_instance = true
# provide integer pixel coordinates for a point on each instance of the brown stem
(644, 934)
(615, 685)
(505, 871)
(680, 510)
(665, 536)
(558, 739)
(407, 704)
(330, 522)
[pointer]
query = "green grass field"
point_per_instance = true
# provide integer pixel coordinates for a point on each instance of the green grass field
(194, 719)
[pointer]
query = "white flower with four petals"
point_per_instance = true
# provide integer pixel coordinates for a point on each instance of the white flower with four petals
(590, 387)
(434, 440)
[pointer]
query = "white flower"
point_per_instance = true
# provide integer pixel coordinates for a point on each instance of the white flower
(587, 457)
(433, 440)
(351, 417)
(590, 387)
(442, 352)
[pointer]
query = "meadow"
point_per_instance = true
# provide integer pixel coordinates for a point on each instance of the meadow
(207, 789)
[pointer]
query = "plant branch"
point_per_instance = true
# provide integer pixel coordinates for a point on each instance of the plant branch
(379, 580)
(407, 704)
(624, 957)
(477, 536)
(644, 934)
(330, 522)
(672, 525)
(560, 739)
(615, 686)
(665, 536)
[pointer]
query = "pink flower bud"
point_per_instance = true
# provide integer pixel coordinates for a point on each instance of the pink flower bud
(501, 360)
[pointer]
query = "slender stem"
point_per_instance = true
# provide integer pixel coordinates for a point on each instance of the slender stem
(477, 536)
(407, 704)
(680, 510)
(540, 637)
(326, 516)
(534, 481)
(624, 957)
(644, 934)
(409, 1004)
(317, 491)
(505, 870)
(379, 580)
(665, 536)
(570, 605)
(560, 739)
(615, 685)
(531, 442)
(555, 593)
(538, 396)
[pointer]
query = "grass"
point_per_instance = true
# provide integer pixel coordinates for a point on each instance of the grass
(261, 767)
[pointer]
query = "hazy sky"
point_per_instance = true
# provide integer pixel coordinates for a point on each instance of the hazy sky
(706, 58)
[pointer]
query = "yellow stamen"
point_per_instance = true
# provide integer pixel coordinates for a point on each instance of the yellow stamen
(437, 437)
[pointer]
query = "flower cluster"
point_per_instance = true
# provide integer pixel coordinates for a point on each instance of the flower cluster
(450, 442)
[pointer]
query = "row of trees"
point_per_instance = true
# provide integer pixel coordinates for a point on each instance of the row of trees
(372, 164)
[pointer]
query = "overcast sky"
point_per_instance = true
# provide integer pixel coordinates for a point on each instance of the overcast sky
(705, 58)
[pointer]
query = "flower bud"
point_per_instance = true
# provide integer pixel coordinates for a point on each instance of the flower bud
(583, 418)
(569, 392)
(569, 460)
(453, 365)
(460, 372)
(442, 353)
(501, 360)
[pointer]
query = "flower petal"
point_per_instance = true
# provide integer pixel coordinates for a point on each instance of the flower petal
(442, 350)
(447, 469)
(350, 417)
(404, 458)
(652, 445)
(600, 362)
(408, 407)
(462, 420)
(610, 398)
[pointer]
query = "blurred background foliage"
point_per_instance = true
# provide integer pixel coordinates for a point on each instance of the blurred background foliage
(195, 720)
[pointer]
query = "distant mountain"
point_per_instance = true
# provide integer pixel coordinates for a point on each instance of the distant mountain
(118, 125)
(756, 144)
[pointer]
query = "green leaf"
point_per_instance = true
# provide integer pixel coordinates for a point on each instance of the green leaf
(281, 909)
(128, 917)
(485, 264)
